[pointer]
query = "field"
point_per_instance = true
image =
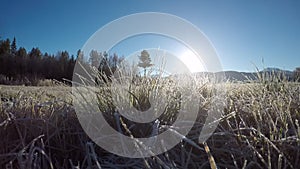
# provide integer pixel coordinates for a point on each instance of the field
(258, 129)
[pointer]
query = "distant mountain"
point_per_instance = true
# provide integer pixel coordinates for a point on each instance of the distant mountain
(239, 76)
(277, 70)
(272, 69)
(267, 73)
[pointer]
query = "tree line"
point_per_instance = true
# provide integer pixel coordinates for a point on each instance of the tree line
(19, 66)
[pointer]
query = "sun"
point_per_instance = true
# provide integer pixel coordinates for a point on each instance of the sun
(192, 62)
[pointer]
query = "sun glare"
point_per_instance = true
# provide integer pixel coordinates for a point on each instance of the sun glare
(191, 61)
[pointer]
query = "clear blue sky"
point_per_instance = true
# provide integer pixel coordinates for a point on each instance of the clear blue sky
(241, 31)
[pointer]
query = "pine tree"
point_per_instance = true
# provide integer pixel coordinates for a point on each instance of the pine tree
(79, 56)
(13, 46)
(5, 47)
(145, 61)
(94, 58)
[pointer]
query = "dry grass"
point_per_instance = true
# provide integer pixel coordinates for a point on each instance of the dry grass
(259, 129)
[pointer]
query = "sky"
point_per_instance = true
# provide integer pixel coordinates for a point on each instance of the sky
(244, 33)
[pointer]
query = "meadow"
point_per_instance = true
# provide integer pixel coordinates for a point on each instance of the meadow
(259, 128)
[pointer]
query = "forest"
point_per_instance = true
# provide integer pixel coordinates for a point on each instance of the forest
(21, 67)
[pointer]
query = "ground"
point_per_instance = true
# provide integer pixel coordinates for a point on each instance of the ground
(259, 128)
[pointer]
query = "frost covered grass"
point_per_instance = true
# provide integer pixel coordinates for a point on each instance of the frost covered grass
(259, 128)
